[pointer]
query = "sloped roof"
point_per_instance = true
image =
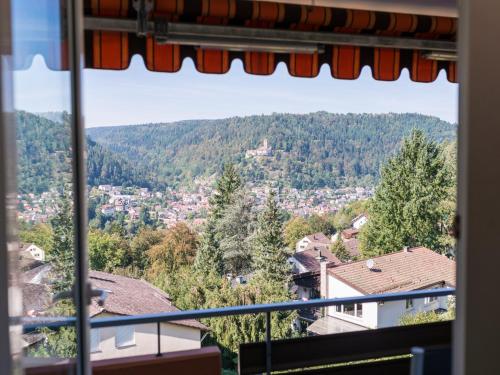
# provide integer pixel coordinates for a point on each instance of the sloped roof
(36, 298)
(318, 238)
(412, 269)
(352, 247)
(309, 257)
(128, 296)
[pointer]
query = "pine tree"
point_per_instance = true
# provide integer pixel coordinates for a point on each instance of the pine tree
(234, 231)
(209, 255)
(270, 255)
(406, 209)
(226, 187)
(62, 254)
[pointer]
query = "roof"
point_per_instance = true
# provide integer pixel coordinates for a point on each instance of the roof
(350, 233)
(36, 298)
(352, 247)
(406, 270)
(328, 325)
(318, 238)
(128, 296)
(309, 257)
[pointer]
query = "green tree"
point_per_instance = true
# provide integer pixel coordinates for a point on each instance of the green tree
(139, 246)
(407, 207)
(270, 255)
(339, 250)
(209, 255)
(39, 234)
(296, 229)
(321, 224)
(226, 187)
(234, 234)
(61, 256)
(107, 252)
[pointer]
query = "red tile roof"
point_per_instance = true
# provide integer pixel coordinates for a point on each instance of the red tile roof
(352, 247)
(128, 296)
(413, 269)
(350, 233)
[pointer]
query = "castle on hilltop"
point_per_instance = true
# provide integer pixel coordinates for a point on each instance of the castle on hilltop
(263, 150)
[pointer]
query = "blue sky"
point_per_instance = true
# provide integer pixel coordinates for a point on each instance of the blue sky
(138, 96)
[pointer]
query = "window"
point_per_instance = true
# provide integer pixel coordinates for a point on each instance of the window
(95, 340)
(338, 308)
(428, 300)
(409, 303)
(349, 309)
(125, 336)
(359, 310)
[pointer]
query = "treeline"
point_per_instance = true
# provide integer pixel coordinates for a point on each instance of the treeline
(310, 151)
(44, 158)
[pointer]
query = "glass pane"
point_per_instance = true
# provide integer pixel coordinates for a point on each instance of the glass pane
(42, 97)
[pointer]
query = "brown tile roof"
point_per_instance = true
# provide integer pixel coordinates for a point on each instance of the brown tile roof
(318, 238)
(128, 296)
(352, 246)
(36, 298)
(350, 233)
(308, 257)
(413, 269)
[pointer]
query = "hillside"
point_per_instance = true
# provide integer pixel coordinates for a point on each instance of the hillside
(44, 159)
(309, 151)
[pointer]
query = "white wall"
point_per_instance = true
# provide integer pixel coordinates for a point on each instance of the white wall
(360, 222)
(377, 315)
(338, 289)
(302, 244)
(174, 338)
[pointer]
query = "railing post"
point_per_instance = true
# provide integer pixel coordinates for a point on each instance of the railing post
(268, 343)
(158, 333)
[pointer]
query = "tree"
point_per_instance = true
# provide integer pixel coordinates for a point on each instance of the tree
(140, 245)
(107, 252)
(406, 208)
(296, 229)
(342, 219)
(178, 248)
(40, 234)
(321, 224)
(61, 256)
(339, 250)
(226, 187)
(234, 234)
(270, 255)
(209, 256)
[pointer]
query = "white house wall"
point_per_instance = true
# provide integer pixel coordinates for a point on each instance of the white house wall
(173, 338)
(338, 289)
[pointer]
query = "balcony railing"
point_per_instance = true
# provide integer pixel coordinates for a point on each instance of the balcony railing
(33, 324)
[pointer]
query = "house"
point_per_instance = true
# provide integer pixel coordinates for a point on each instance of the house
(108, 210)
(359, 221)
(127, 296)
(314, 239)
(406, 270)
(306, 267)
(263, 150)
(34, 251)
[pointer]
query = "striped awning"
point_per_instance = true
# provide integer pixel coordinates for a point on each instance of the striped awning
(386, 42)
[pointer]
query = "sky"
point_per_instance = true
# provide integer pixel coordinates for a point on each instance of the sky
(137, 96)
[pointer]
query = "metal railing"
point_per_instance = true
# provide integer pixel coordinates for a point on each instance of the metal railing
(32, 324)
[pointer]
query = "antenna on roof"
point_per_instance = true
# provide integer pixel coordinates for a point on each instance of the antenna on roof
(370, 264)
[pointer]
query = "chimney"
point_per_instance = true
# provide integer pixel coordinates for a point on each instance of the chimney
(323, 279)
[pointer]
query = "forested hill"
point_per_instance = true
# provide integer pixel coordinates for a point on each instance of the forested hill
(44, 157)
(312, 150)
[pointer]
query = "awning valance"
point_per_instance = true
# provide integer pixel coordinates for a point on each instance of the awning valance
(262, 34)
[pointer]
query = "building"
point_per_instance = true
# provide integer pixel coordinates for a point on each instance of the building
(406, 270)
(359, 221)
(127, 296)
(34, 251)
(318, 239)
(263, 150)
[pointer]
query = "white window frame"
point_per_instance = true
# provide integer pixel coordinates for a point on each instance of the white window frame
(122, 337)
